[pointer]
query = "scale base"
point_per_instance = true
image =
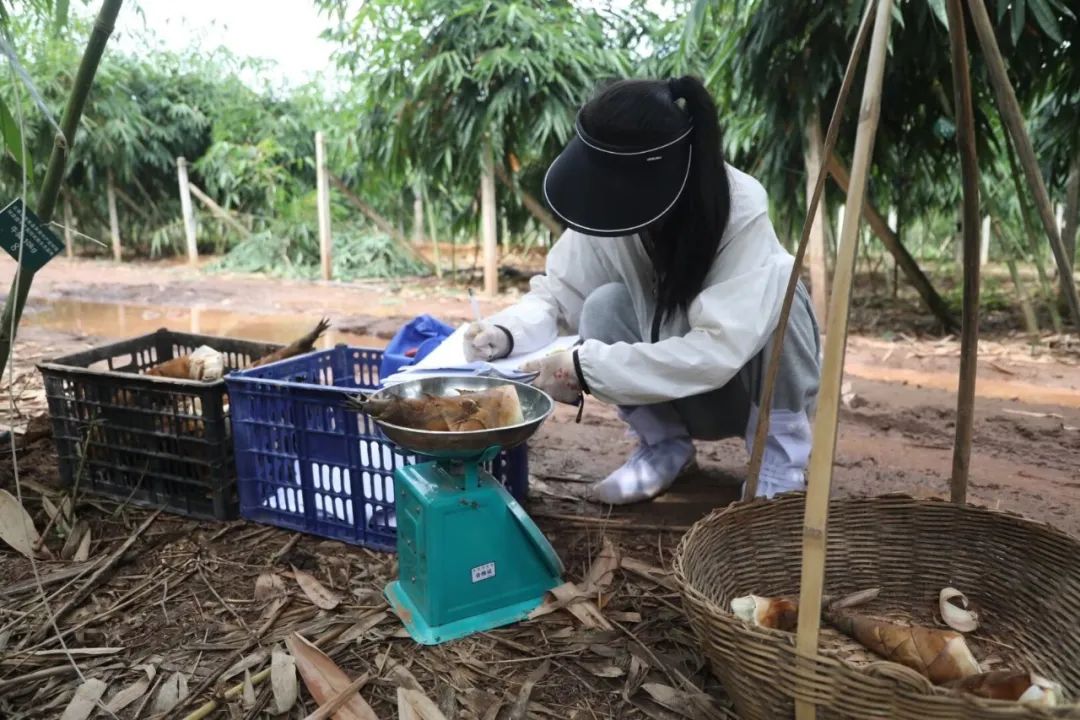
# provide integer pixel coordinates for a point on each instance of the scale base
(425, 634)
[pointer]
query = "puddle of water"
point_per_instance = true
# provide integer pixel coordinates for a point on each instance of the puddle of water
(120, 321)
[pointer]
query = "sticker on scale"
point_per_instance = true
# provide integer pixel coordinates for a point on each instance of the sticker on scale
(483, 572)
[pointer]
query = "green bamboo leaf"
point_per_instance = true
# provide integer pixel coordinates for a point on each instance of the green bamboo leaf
(12, 138)
(1044, 15)
(1019, 8)
(938, 6)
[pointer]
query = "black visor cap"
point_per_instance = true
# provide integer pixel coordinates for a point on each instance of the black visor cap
(608, 191)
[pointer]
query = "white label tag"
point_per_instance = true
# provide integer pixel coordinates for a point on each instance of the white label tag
(483, 572)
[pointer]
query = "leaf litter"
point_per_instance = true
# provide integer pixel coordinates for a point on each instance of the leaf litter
(239, 620)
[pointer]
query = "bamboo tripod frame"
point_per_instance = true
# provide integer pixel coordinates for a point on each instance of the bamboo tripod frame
(826, 420)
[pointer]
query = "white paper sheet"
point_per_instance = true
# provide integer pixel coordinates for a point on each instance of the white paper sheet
(449, 359)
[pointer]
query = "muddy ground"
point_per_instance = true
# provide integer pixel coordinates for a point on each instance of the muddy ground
(895, 436)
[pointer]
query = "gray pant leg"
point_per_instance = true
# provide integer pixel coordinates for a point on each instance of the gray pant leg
(726, 412)
(608, 316)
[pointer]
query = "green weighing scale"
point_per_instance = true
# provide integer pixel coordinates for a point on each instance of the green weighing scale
(469, 558)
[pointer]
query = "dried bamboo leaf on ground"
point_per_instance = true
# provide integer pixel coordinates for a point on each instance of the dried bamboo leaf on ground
(268, 585)
(74, 540)
(603, 670)
(602, 571)
(652, 573)
(315, 590)
(171, 693)
(639, 670)
(85, 701)
(283, 680)
(16, 526)
(415, 705)
(82, 553)
(324, 679)
(132, 692)
(363, 626)
(247, 697)
(691, 705)
(521, 705)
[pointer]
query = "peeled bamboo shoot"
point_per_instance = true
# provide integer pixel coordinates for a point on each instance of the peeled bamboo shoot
(1012, 685)
(485, 410)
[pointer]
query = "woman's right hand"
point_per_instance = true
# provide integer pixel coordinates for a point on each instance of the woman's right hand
(484, 341)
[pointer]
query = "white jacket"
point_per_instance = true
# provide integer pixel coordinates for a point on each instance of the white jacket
(700, 350)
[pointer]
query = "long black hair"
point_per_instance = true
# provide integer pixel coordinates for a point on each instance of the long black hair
(683, 244)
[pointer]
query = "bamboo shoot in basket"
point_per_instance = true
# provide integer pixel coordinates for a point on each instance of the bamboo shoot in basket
(941, 655)
(1020, 686)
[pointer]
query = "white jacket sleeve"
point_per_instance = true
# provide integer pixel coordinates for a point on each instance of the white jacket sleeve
(730, 321)
(573, 270)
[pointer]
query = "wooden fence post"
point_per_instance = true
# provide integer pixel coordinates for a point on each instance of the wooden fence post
(187, 210)
(69, 234)
(220, 212)
(114, 220)
(488, 225)
(322, 194)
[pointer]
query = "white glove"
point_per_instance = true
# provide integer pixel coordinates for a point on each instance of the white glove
(484, 341)
(558, 377)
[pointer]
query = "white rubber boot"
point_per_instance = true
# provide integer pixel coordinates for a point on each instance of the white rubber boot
(787, 451)
(663, 453)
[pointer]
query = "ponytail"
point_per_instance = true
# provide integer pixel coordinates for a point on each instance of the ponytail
(686, 245)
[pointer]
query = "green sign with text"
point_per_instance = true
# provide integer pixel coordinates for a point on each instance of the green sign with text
(40, 245)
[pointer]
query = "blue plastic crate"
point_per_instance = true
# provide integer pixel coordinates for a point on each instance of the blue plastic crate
(305, 461)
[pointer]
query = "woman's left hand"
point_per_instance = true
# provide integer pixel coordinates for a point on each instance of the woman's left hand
(557, 377)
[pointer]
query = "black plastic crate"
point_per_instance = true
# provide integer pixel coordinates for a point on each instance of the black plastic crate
(146, 440)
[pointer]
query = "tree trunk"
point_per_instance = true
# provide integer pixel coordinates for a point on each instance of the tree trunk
(819, 289)
(1072, 209)
(114, 219)
(488, 223)
(431, 232)
(1009, 109)
(1046, 289)
(69, 227)
(187, 211)
(534, 206)
(322, 196)
(380, 222)
(907, 263)
(417, 216)
(1031, 320)
(969, 333)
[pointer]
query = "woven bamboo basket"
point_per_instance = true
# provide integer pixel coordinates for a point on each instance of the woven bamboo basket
(1023, 576)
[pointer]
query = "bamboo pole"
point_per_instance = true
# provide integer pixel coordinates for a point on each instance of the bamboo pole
(114, 220)
(220, 212)
(1072, 209)
(910, 267)
(54, 175)
(322, 192)
(969, 332)
(812, 158)
(828, 413)
(757, 450)
(187, 211)
(488, 222)
(1009, 108)
(69, 222)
